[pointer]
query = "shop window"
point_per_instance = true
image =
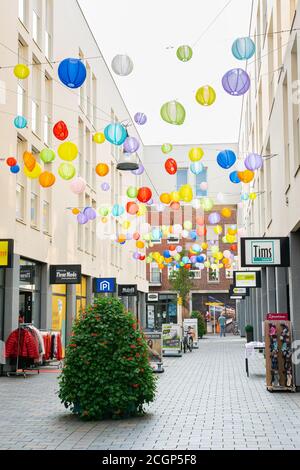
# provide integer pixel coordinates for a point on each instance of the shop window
(213, 275)
(59, 310)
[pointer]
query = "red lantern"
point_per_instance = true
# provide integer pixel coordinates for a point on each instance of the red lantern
(132, 208)
(187, 266)
(171, 166)
(11, 161)
(142, 257)
(233, 247)
(144, 194)
(201, 231)
(60, 130)
(175, 206)
(200, 220)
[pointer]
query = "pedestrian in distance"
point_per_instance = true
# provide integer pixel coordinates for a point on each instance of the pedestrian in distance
(222, 324)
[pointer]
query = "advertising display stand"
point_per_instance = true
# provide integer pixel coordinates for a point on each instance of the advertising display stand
(279, 366)
(190, 326)
(154, 343)
(171, 336)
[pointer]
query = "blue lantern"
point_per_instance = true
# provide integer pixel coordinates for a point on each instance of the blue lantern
(20, 122)
(200, 259)
(117, 210)
(185, 260)
(72, 73)
(196, 168)
(243, 48)
(115, 133)
(234, 177)
(244, 197)
(226, 159)
(166, 254)
(193, 235)
(15, 169)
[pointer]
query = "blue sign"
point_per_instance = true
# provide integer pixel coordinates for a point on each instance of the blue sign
(104, 284)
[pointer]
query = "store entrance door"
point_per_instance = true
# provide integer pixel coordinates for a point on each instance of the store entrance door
(25, 310)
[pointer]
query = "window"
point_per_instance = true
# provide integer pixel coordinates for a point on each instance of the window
(20, 202)
(229, 273)
(213, 275)
(35, 26)
(87, 239)
(155, 274)
(182, 177)
(79, 236)
(87, 155)
(47, 130)
(46, 217)
(211, 235)
(286, 134)
(22, 11)
(33, 209)
(21, 101)
(195, 273)
(94, 81)
(34, 116)
(155, 232)
(48, 29)
(201, 178)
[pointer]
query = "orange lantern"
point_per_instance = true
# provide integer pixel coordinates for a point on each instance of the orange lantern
(226, 212)
(165, 198)
(140, 244)
(175, 206)
(75, 211)
(161, 266)
(29, 161)
(121, 238)
(46, 179)
(102, 169)
(201, 231)
(172, 248)
(246, 176)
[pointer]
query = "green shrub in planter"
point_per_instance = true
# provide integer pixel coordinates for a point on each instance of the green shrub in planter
(249, 333)
(106, 372)
(249, 329)
(201, 323)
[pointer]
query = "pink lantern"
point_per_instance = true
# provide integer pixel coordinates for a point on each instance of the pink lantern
(204, 186)
(78, 185)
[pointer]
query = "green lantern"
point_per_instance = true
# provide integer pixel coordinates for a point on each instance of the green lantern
(166, 148)
(206, 95)
(104, 211)
(47, 155)
(207, 203)
(173, 113)
(66, 171)
(132, 192)
(184, 53)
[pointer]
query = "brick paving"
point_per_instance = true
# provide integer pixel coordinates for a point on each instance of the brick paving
(204, 401)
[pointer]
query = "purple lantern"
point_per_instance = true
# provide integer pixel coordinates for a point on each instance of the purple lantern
(140, 118)
(90, 213)
(82, 218)
(193, 259)
(131, 145)
(214, 218)
(236, 82)
(253, 161)
(139, 171)
(136, 255)
(150, 202)
(105, 186)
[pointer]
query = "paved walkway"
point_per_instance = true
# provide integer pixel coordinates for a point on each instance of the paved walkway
(204, 401)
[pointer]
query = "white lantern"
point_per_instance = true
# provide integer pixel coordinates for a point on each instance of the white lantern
(122, 65)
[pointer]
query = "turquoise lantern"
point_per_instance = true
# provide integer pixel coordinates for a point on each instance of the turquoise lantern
(115, 133)
(243, 48)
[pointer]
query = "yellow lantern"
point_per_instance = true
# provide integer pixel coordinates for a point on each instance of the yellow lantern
(218, 229)
(206, 95)
(220, 265)
(186, 193)
(165, 198)
(195, 154)
(187, 225)
(161, 266)
(126, 224)
(230, 238)
(142, 210)
(140, 244)
(67, 151)
(35, 173)
(104, 220)
(226, 212)
(252, 196)
(175, 197)
(219, 256)
(21, 71)
(226, 261)
(75, 211)
(204, 246)
(231, 231)
(99, 138)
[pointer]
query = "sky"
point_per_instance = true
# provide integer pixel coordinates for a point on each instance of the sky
(150, 33)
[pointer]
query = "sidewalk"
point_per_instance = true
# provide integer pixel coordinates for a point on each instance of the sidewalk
(204, 401)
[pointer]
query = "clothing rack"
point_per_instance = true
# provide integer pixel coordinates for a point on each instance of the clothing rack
(23, 371)
(56, 363)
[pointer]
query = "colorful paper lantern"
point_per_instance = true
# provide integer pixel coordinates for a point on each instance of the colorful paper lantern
(173, 112)
(226, 159)
(166, 148)
(11, 161)
(226, 212)
(47, 155)
(14, 169)
(90, 213)
(204, 186)
(175, 196)
(122, 65)
(234, 177)
(35, 173)
(186, 193)
(67, 151)
(236, 82)
(214, 218)
(21, 71)
(99, 138)
(140, 119)
(78, 185)
(47, 179)
(196, 168)
(29, 161)
(72, 72)
(115, 133)
(253, 162)
(75, 211)
(66, 171)
(171, 166)
(144, 194)
(105, 186)
(132, 208)
(243, 48)
(104, 211)
(218, 229)
(252, 196)
(195, 154)
(20, 122)
(246, 176)
(139, 171)
(244, 197)
(60, 130)
(184, 53)
(82, 218)
(207, 204)
(102, 169)
(206, 95)
(175, 206)
(117, 210)
(131, 145)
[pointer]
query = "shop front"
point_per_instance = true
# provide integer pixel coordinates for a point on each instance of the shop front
(160, 308)
(30, 292)
(81, 296)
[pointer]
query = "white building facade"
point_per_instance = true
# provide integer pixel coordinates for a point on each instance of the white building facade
(41, 33)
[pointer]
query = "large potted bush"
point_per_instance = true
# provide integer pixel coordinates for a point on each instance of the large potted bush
(249, 333)
(201, 323)
(106, 372)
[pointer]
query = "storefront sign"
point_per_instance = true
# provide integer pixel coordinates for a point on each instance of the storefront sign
(265, 252)
(104, 284)
(236, 297)
(127, 290)
(246, 279)
(243, 291)
(171, 334)
(190, 325)
(278, 316)
(65, 274)
(152, 297)
(27, 274)
(6, 253)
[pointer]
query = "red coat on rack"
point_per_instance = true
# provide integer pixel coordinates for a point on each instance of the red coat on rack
(28, 345)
